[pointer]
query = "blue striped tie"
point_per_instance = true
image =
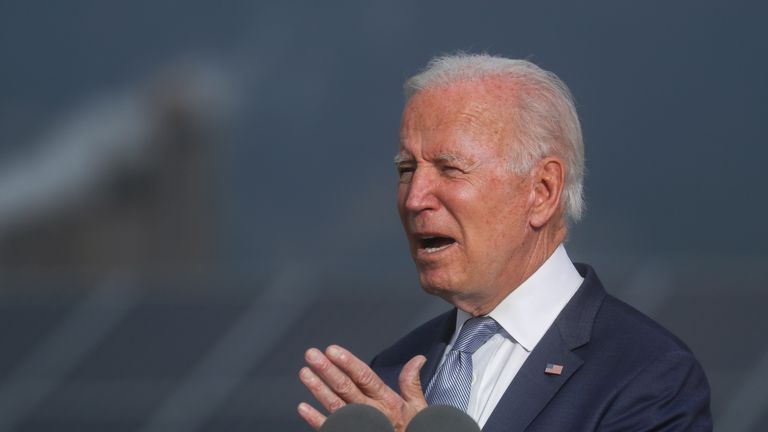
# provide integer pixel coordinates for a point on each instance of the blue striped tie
(453, 382)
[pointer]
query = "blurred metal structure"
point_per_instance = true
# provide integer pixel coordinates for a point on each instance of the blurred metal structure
(122, 187)
(55, 356)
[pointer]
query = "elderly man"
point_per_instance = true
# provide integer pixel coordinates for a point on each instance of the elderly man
(490, 164)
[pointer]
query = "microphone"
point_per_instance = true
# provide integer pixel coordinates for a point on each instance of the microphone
(442, 418)
(357, 418)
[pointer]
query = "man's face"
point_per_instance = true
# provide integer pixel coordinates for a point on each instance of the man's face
(463, 210)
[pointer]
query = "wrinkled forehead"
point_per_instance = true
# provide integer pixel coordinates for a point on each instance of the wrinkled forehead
(479, 107)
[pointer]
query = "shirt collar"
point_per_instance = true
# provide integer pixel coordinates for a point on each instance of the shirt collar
(528, 311)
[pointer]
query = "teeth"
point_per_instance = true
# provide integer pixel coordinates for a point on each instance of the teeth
(431, 250)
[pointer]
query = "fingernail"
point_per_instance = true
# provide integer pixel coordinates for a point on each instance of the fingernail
(303, 408)
(306, 374)
(313, 354)
(334, 351)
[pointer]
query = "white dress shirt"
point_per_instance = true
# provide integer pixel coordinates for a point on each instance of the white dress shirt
(524, 316)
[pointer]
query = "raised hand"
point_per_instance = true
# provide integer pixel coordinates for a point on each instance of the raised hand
(336, 378)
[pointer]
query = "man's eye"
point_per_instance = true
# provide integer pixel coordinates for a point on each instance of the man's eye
(405, 172)
(404, 169)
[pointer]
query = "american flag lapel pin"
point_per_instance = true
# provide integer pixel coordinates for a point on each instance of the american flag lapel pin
(553, 369)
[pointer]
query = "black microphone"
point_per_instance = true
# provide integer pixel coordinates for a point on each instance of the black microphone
(442, 418)
(357, 418)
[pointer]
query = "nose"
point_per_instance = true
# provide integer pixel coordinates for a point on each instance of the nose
(418, 194)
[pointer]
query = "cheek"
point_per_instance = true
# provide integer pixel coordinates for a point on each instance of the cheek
(500, 216)
(463, 196)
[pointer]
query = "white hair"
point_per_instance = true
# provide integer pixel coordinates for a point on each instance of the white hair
(545, 118)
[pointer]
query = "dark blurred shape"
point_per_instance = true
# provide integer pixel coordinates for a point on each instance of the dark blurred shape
(124, 187)
(357, 418)
(442, 418)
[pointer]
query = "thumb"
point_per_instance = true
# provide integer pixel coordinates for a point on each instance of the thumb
(410, 382)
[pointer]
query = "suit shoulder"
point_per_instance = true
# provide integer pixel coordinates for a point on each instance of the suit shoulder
(655, 377)
(418, 341)
(630, 330)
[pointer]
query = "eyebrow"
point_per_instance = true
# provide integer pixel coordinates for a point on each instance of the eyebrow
(402, 157)
(450, 157)
(445, 157)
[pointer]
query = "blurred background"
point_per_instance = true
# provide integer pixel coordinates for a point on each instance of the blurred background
(194, 192)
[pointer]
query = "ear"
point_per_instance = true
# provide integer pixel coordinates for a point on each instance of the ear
(548, 181)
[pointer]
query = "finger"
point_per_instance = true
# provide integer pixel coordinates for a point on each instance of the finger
(410, 381)
(338, 381)
(310, 415)
(330, 400)
(362, 375)
(335, 378)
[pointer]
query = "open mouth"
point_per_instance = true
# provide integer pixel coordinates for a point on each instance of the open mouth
(432, 244)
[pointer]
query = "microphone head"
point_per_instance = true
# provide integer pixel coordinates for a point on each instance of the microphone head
(357, 418)
(442, 418)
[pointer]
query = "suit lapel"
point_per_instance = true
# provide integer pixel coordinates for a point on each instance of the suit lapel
(532, 388)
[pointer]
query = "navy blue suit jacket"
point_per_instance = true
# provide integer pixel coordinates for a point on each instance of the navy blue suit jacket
(621, 371)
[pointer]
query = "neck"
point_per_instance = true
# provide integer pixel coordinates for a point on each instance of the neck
(540, 248)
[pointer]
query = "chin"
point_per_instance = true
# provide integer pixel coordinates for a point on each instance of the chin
(441, 287)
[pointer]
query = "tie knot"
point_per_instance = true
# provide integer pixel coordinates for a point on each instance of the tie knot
(475, 333)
